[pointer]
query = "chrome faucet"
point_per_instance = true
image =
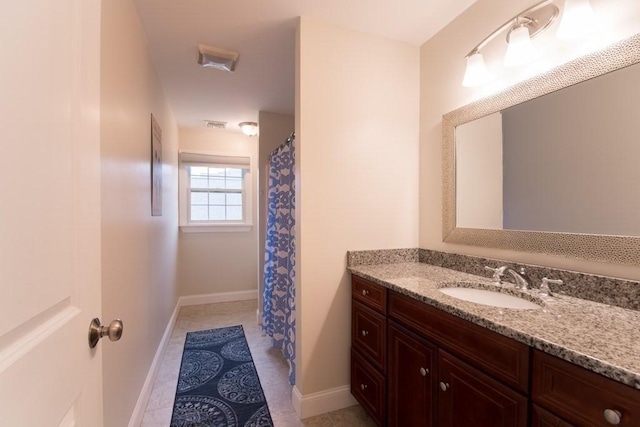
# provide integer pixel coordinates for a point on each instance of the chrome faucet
(497, 273)
(522, 280)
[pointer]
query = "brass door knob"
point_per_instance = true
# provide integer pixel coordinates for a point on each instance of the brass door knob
(97, 331)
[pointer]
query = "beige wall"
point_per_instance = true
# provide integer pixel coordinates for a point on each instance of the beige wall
(221, 261)
(274, 130)
(442, 68)
(357, 112)
(138, 250)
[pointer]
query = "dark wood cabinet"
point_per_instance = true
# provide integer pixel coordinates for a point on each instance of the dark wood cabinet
(369, 293)
(582, 397)
(411, 379)
(368, 386)
(542, 418)
(369, 347)
(469, 398)
(502, 358)
(369, 334)
(415, 365)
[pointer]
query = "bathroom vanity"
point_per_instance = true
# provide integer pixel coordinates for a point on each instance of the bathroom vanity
(423, 358)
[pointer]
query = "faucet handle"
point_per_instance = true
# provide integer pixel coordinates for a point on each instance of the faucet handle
(545, 291)
(497, 273)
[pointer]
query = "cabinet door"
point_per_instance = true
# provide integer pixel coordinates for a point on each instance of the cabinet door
(410, 379)
(469, 398)
(542, 418)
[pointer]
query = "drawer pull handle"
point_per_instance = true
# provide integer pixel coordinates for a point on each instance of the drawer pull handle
(612, 416)
(365, 292)
(364, 333)
(363, 387)
(424, 372)
(444, 386)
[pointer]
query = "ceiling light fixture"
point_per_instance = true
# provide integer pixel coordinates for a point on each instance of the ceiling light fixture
(577, 18)
(249, 128)
(213, 57)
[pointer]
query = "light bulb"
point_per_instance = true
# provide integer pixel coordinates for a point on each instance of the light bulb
(578, 20)
(476, 73)
(249, 128)
(520, 49)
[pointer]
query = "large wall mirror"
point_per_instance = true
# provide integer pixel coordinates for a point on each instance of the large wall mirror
(552, 165)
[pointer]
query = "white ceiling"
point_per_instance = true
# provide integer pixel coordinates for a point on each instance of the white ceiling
(263, 32)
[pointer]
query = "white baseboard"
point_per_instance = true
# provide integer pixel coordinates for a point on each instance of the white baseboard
(219, 297)
(321, 402)
(145, 393)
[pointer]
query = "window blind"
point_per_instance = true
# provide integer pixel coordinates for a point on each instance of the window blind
(192, 159)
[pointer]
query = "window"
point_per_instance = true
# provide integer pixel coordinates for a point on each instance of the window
(214, 193)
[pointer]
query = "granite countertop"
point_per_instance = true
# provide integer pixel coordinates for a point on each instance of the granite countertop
(599, 337)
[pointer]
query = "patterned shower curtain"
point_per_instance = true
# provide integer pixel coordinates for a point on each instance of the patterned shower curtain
(279, 305)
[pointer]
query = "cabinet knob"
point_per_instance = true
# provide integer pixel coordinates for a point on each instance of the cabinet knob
(363, 387)
(424, 372)
(444, 386)
(612, 416)
(365, 292)
(364, 333)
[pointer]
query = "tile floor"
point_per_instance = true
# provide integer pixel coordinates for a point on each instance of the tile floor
(271, 367)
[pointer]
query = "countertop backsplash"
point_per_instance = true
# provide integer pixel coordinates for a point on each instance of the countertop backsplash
(384, 256)
(607, 290)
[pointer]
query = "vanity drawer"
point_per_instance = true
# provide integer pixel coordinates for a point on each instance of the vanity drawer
(369, 334)
(368, 387)
(369, 293)
(581, 396)
(503, 358)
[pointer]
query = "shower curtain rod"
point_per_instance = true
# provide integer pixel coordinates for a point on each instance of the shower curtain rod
(291, 137)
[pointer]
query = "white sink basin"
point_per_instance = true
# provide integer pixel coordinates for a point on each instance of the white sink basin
(494, 299)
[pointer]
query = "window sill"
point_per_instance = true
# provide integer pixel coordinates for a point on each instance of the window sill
(215, 228)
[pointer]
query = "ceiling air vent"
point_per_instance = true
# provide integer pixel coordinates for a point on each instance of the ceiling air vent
(213, 57)
(215, 124)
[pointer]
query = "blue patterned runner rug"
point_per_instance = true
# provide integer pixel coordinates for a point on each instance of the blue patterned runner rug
(218, 385)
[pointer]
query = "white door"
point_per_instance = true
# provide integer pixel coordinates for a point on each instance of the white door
(49, 212)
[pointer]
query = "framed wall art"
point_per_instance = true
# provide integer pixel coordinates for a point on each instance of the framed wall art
(156, 168)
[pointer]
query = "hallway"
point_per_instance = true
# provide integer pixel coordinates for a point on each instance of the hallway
(271, 368)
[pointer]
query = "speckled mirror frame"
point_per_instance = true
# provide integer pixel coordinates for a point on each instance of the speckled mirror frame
(616, 249)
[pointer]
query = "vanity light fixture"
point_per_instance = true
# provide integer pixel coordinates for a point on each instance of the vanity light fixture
(520, 48)
(577, 21)
(522, 28)
(249, 128)
(476, 73)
